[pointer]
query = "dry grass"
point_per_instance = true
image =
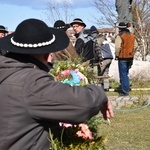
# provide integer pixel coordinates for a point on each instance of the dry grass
(133, 83)
(128, 131)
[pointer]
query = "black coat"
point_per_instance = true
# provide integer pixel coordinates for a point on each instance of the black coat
(31, 102)
(84, 46)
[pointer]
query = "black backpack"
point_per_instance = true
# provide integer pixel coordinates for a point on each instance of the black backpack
(96, 42)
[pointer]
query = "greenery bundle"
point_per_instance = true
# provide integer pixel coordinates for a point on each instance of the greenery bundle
(74, 72)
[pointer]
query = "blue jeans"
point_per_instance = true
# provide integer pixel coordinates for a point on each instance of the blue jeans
(124, 67)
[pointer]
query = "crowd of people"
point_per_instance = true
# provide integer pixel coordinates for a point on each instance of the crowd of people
(32, 102)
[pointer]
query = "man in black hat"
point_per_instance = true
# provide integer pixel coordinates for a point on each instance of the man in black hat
(59, 24)
(125, 44)
(31, 101)
(3, 33)
(83, 44)
(70, 50)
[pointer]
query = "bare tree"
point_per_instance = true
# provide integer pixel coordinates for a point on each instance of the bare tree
(107, 11)
(59, 11)
(141, 18)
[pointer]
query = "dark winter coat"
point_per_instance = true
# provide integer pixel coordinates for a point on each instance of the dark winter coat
(31, 102)
(84, 46)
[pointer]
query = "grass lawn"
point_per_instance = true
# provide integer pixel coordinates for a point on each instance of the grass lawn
(133, 83)
(128, 130)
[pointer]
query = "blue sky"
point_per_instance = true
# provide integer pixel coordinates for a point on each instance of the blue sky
(14, 11)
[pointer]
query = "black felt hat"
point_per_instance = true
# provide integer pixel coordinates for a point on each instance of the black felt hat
(3, 29)
(59, 24)
(122, 25)
(33, 36)
(77, 21)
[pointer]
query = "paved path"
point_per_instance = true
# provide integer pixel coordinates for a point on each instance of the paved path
(119, 102)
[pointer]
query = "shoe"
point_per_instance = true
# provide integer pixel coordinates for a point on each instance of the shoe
(123, 94)
(106, 90)
(119, 89)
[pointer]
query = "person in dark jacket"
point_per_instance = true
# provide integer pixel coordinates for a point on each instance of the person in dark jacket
(31, 101)
(83, 44)
(68, 52)
(96, 47)
(107, 59)
(3, 33)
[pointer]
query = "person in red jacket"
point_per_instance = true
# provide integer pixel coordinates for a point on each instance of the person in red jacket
(32, 102)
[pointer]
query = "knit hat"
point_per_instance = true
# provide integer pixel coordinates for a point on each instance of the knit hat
(93, 29)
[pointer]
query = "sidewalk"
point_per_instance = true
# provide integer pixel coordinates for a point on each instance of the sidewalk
(119, 102)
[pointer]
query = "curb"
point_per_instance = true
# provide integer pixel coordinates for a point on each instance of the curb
(130, 100)
(134, 89)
